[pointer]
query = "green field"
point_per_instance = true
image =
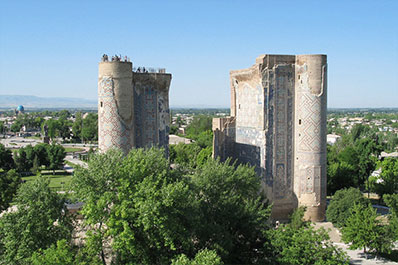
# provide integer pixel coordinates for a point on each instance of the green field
(73, 149)
(59, 181)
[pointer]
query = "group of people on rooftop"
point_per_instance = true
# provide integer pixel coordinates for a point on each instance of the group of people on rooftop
(115, 58)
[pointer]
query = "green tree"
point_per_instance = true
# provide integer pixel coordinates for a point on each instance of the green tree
(9, 183)
(16, 126)
(200, 123)
(30, 154)
(154, 214)
(358, 131)
(38, 222)
(52, 127)
(150, 196)
(40, 151)
(392, 202)
(96, 187)
(6, 160)
(202, 257)
(2, 127)
(305, 246)
(204, 139)
(38, 122)
(23, 164)
(173, 129)
(340, 175)
(89, 130)
(233, 215)
(297, 220)
(185, 155)
(389, 177)
(56, 155)
(368, 150)
(77, 126)
(147, 197)
(35, 165)
(349, 155)
(63, 114)
(352, 159)
(60, 254)
(343, 200)
(364, 230)
(204, 155)
(299, 243)
(64, 128)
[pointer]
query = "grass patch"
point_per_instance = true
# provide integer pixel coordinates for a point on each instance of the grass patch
(73, 149)
(58, 181)
(33, 137)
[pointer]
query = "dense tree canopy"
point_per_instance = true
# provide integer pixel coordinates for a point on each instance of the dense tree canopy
(388, 183)
(56, 154)
(6, 160)
(392, 202)
(352, 159)
(85, 128)
(159, 214)
(37, 222)
(212, 213)
(9, 183)
(199, 124)
(51, 156)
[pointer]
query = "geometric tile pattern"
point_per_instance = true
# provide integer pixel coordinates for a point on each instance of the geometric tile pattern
(283, 131)
(313, 175)
(249, 111)
(114, 131)
(309, 110)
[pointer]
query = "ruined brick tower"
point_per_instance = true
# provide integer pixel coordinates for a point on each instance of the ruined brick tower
(278, 125)
(133, 106)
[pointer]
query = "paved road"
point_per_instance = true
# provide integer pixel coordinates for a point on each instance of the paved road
(18, 142)
(73, 160)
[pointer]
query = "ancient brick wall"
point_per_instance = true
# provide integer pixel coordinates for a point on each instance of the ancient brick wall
(133, 107)
(268, 102)
(310, 144)
(151, 109)
(115, 106)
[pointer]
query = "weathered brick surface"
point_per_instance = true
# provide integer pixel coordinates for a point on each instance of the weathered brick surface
(277, 113)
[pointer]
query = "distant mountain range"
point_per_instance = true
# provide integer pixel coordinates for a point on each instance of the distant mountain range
(33, 102)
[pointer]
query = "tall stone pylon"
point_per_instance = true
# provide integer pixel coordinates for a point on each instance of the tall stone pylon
(133, 106)
(278, 125)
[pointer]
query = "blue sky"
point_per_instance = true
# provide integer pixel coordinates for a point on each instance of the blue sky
(51, 48)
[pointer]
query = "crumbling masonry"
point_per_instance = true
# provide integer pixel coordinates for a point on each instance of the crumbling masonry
(278, 125)
(133, 106)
